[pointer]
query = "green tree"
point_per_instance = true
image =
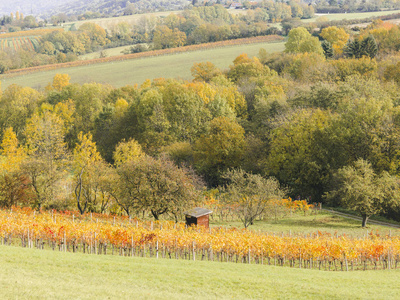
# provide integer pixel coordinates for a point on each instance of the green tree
(249, 194)
(221, 148)
(353, 49)
(300, 41)
(328, 49)
(369, 46)
(294, 158)
(153, 185)
(360, 189)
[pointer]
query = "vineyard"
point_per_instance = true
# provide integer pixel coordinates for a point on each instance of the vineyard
(16, 43)
(27, 39)
(106, 234)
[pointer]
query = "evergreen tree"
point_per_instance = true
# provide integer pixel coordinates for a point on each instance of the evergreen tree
(353, 49)
(328, 49)
(369, 46)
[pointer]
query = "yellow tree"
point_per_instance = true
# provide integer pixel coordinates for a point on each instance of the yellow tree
(127, 151)
(17, 105)
(13, 187)
(338, 37)
(60, 81)
(204, 71)
(47, 157)
(85, 158)
(12, 154)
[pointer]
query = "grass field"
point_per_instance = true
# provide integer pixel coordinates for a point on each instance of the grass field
(137, 71)
(322, 221)
(108, 52)
(37, 274)
(352, 16)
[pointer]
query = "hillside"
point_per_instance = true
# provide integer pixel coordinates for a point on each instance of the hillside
(120, 73)
(33, 274)
(29, 7)
(47, 8)
(118, 7)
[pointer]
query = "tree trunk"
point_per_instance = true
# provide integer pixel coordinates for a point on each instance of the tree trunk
(364, 220)
(155, 215)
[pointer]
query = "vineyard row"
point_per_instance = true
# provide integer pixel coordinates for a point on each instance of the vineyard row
(130, 237)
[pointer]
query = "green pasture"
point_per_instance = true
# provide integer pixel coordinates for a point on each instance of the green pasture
(45, 274)
(138, 70)
(305, 224)
(108, 52)
(351, 16)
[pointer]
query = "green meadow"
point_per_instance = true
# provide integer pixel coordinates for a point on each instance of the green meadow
(45, 274)
(136, 71)
(301, 224)
(352, 16)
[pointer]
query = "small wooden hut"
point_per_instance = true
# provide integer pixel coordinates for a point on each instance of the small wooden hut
(198, 216)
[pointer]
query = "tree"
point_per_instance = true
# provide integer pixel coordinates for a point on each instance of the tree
(360, 189)
(357, 49)
(294, 158)
(300, 40)
(353, 49)
(47, 157)
(60, 81)
(221, 148)
(13, 184)
(249, 194)
(204, 71)
(369, 46)
(336, 36)
(96, 33)
(85, 157)
(244, 67)
(17, 105)
(153, 185)
(165, 37)
(127, 151)
(328, 49)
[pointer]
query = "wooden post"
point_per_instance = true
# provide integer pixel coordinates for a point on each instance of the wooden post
(194, 253)
(157, 249)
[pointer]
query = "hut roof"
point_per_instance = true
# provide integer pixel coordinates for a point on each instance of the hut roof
(198, 212)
